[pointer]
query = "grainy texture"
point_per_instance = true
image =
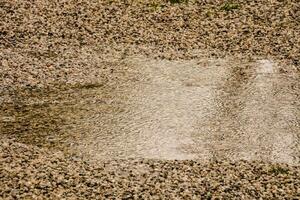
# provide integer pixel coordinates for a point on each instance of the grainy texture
(48, 45)
(52, 41)
(29, 172)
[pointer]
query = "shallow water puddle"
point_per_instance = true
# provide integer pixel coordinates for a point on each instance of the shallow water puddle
(201, 109)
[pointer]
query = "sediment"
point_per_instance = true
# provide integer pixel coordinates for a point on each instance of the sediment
(61, 44)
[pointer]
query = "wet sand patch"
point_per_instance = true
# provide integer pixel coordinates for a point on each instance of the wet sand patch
(198, 109)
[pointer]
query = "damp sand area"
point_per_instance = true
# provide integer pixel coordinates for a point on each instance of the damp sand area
(204, 109)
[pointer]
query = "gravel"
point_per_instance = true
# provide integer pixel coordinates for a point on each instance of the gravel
(46, 42)
(52, 44)
(30, 172)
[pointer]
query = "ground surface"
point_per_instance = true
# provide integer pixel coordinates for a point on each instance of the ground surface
(29, 172)
(101, 99)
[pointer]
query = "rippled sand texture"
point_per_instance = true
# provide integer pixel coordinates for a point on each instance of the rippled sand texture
(200, 109)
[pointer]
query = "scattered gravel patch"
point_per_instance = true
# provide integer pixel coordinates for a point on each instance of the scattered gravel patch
(49, 44)
(30, 172)
(52, 41)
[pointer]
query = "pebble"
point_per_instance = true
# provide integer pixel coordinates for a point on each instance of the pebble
(48, 44)
(48, 175)
(57, 40)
